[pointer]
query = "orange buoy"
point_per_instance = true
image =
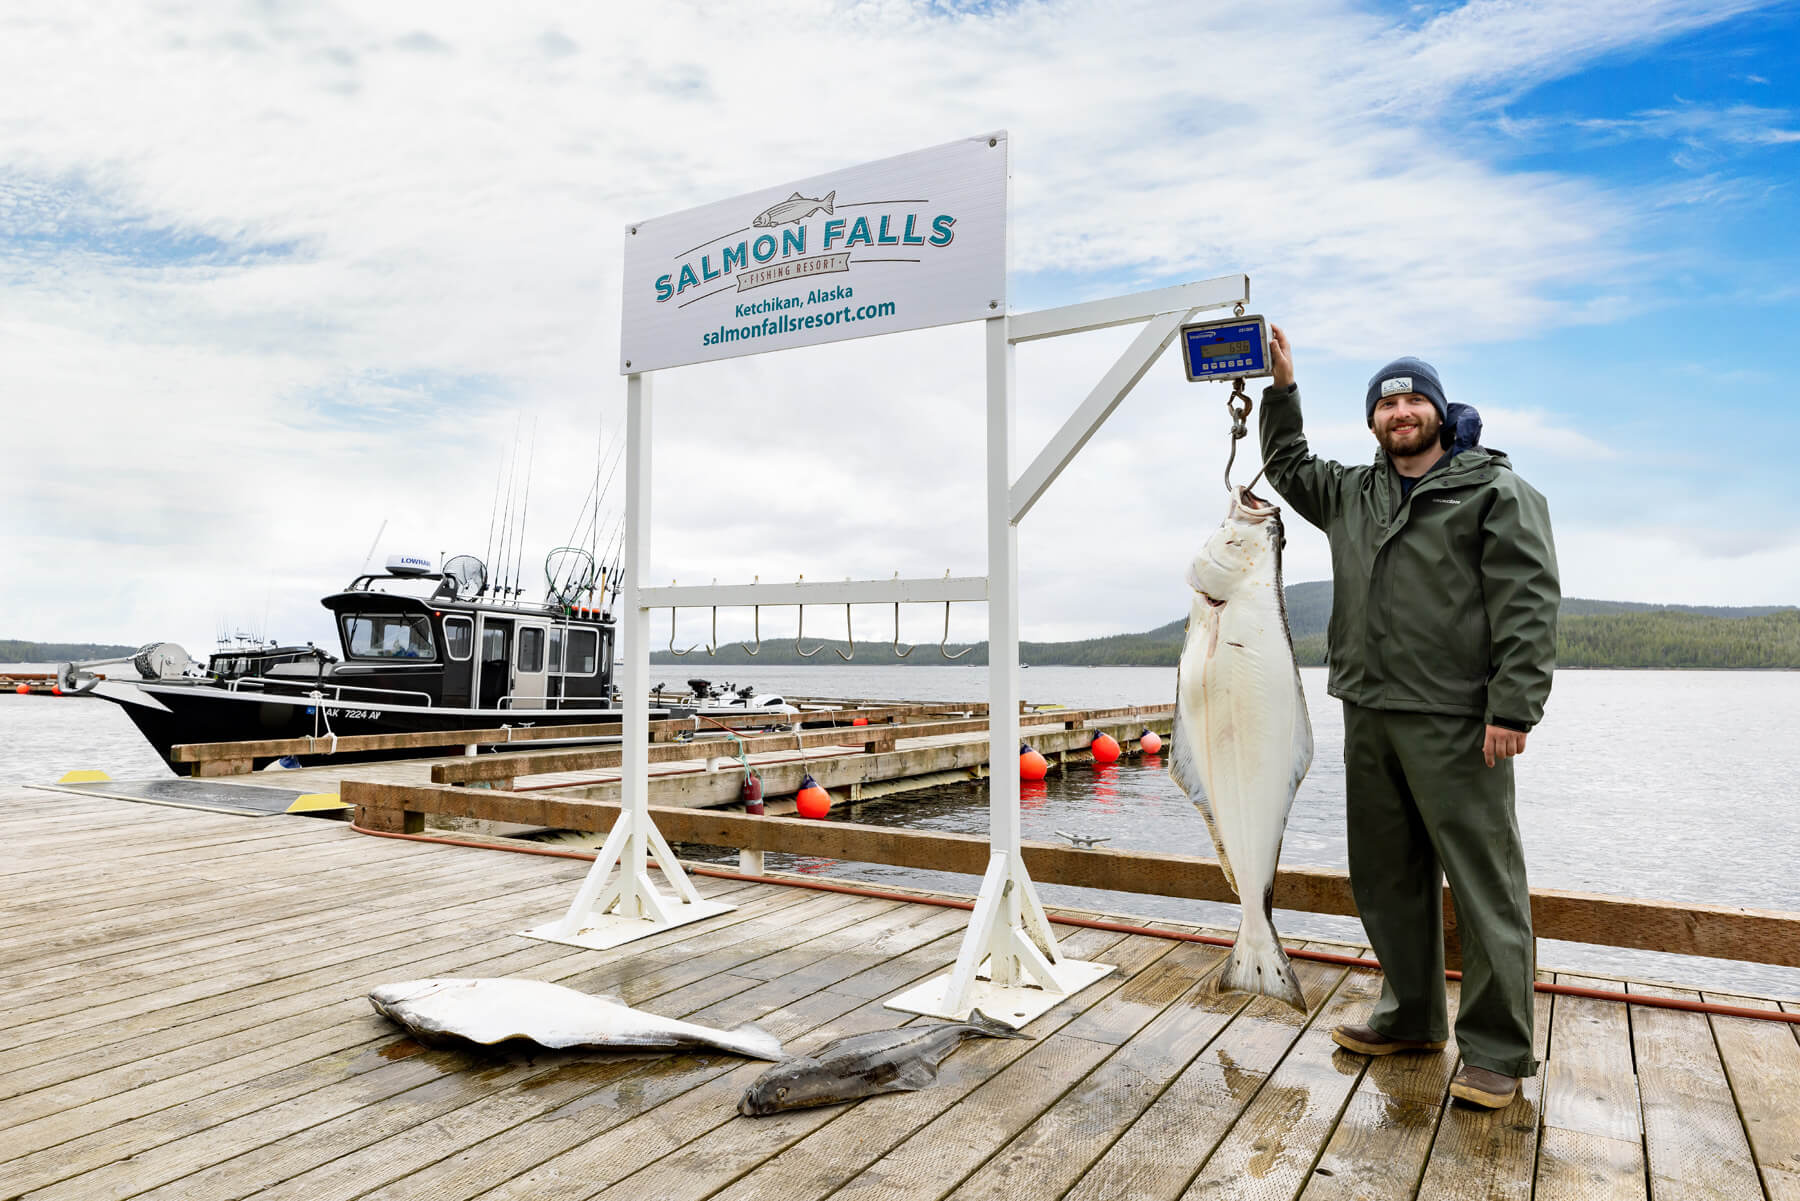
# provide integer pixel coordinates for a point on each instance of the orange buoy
(1105, 748)
(23, 690)
(861, 721)
(55, 690)
(1032, 766)
(812, 801)
(1150, 741)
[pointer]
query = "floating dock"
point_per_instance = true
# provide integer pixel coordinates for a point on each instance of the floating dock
(860, 750)
(185, 1017)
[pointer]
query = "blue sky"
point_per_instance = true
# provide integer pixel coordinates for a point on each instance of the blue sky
(271, 277)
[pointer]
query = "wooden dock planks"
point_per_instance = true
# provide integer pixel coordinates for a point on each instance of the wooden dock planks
(201, 1032)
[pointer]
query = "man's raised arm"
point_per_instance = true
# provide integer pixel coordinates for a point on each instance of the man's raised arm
(1308, 483)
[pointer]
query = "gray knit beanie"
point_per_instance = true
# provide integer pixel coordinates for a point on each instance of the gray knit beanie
(1407, 375)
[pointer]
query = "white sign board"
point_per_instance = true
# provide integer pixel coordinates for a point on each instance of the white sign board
(907, 242)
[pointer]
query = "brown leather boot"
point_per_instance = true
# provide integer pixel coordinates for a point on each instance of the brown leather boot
(1478, 1086)
(1366, 1040)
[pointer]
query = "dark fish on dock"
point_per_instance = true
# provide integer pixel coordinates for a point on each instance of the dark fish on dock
(886, 1061)
(493, 1011)
(1243, 741)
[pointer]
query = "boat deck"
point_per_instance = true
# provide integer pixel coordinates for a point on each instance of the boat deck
(183, 1016)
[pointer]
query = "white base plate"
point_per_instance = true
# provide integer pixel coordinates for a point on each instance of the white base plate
(613, 929)
(1014, 1006)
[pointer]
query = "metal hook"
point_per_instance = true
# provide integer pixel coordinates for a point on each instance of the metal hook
(944, 646)
(690, 650)
(800, 634)
(850, 633)
(1239, 418)
(712, 648)
(757, 612)
(898, 653)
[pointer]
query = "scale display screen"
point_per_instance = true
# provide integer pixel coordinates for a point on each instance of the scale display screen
(1235, 348)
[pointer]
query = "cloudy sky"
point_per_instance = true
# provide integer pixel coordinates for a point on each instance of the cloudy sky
(274, 274)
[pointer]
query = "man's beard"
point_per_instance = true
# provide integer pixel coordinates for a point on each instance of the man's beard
(1421, 437)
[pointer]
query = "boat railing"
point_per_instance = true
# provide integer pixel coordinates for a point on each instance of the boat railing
(336, 691)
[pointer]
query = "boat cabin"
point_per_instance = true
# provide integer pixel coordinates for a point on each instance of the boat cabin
(456, 653)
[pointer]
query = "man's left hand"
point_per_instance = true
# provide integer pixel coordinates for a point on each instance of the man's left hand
(1502, 743)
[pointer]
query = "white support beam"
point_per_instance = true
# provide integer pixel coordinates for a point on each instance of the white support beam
(1009, 965)
(1112, 388)
(1122, 310)
(821, 592)
(618, 902)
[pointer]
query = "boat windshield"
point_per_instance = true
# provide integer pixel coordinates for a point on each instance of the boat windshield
(387, 636)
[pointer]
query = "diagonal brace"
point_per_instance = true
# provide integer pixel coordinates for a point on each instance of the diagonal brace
(1081, 425)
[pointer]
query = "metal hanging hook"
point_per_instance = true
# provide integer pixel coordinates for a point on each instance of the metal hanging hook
(850, 633)
(1240, 415)
(800, 634)
(690, 650)
(898, 653)
(712, 648)
(944, 646)
(756, 612)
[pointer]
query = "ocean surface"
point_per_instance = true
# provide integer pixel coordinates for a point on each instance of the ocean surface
(1680, 786)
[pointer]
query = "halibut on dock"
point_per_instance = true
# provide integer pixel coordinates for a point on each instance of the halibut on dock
(491, 1011)
(884, 1061)
(1242, 740)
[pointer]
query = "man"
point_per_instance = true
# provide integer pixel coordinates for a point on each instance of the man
(1441, 647)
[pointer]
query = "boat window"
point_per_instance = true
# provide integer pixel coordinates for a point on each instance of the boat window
(556, 650)
(583, 653)
(531, 649)
(459, 637)
(387, 636)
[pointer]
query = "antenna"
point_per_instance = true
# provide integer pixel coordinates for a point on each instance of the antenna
(374, 544)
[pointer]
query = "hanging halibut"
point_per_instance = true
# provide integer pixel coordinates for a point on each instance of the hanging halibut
(1242, 741)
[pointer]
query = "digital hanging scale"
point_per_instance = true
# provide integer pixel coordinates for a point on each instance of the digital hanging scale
(1228, 349)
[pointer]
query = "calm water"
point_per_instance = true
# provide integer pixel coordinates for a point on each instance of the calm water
(1678, 785)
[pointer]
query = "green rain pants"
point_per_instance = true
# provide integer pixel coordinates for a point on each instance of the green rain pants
(1422, 801)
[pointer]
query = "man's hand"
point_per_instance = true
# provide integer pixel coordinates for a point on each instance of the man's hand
(1502, 743)
(1283, 354)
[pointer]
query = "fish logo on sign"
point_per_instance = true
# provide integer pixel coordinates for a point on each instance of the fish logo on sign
(788, 248)
(794, 208)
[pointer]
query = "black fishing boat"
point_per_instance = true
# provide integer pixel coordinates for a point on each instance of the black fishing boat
(422, 650)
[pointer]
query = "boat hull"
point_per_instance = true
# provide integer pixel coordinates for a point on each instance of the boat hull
(170, 715)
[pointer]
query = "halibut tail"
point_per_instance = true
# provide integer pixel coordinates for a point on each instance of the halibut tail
(1258, 964)
(991, 1027)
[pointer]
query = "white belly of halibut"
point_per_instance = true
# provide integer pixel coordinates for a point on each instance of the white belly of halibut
(1241, 745)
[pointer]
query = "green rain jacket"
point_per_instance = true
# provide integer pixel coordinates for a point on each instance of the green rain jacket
(1444, 602)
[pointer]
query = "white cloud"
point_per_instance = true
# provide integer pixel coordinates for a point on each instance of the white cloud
(275, 274)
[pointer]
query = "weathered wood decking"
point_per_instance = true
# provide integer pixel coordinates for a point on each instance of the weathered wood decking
(184, 1017)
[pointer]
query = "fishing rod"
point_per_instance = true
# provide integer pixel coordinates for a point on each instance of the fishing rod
(493, 513)
(524, 511)
(506, 526)
(577, 528)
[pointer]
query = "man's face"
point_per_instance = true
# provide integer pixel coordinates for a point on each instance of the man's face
(1406, 423)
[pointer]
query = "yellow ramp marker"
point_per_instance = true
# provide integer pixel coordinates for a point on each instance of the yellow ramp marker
(84, 777)
(312, 802)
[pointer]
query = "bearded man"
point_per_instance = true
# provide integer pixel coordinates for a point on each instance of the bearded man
(1441, 647)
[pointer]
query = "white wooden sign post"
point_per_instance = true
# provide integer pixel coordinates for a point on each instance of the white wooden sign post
(904, 243)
